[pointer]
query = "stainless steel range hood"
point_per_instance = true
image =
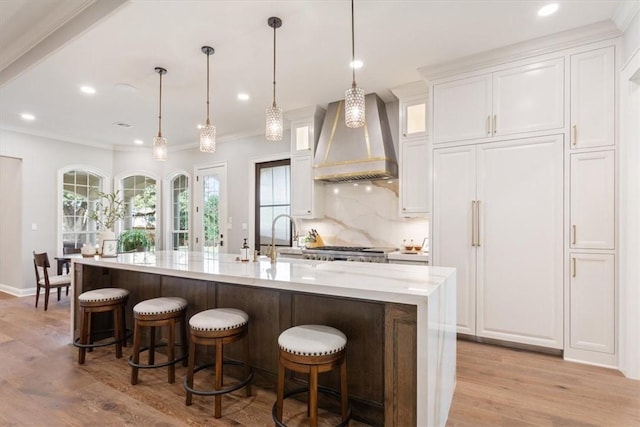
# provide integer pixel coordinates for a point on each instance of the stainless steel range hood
(345, 154)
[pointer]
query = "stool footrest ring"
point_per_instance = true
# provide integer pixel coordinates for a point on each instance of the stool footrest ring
(157, 365)
(225, 390)
(301, 390)
(127, 335)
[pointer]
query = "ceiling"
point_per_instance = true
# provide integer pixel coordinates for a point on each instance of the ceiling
(115, 45)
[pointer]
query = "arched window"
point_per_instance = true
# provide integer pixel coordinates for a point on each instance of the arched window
(180, 212)
(80, 189)
(140, 200)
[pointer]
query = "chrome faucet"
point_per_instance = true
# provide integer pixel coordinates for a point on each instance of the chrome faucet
(272, 249)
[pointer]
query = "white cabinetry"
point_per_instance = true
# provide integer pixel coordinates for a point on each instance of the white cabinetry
(515, 100)
(592, 200)
(306, 194)
(592, 303)
(497, 218)
(415, 176)
(592, 98)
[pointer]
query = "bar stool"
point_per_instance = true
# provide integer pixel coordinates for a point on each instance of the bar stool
(99, 301)
(158, 312)
(312, 349)
(218, 327)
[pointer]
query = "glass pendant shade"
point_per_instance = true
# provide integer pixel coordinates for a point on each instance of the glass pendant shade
(354, 107)
(274, 124)
(208, 138)
(159, 148)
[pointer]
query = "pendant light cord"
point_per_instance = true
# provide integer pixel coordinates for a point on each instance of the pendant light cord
(208, 122)
(160, 109)
(353, 48)
(274, 66)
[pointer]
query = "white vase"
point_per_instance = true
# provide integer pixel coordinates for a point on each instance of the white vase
(105, 235)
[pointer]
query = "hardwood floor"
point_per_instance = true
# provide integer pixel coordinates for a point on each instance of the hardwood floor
(42, 384)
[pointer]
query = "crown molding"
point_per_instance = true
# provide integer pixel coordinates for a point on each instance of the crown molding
(418, 88)
(57, 137)
(624, 14)
(539, 46)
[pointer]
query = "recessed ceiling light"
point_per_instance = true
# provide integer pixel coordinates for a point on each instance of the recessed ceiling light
(122, 125)
(89, 90)
(243, 96)
(356, 63)
(138, 141)
(28, 117)
(547, 10)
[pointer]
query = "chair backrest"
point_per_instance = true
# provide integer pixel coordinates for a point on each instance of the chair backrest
(41, 264)
(67, 250)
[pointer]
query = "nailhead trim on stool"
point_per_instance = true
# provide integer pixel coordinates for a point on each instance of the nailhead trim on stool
(99, 301)
(312, 349)
(217, 327)
(159, 312)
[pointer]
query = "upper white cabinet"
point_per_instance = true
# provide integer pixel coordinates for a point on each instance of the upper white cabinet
(592, 207)
(306, 194)
(414, 162)
(592, 98)
(516, 100)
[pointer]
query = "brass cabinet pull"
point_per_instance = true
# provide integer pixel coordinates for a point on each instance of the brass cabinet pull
(477, 222)
(573, 234)
(574, 135)
(473, 223)
(487, 125)
(573, 267)
(495, 124)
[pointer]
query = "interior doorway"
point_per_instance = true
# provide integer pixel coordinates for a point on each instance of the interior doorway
(210, 209)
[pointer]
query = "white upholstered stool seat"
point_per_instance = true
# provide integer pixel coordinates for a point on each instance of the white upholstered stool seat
(106, 294)
(312, 349)
(218, 327)
(103, 300)
(312, 340)
(160, 305)
(157, 313)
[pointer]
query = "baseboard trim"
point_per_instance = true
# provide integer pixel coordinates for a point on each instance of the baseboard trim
(509, 344)
(18, 292)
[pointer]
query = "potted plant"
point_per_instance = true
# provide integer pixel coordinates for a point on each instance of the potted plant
(109, 209)
(133, 240)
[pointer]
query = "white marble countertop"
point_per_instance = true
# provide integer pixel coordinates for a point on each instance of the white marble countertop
(397, 283)
(403, 256)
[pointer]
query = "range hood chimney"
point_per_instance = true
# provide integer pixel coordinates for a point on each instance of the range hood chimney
(346, 154)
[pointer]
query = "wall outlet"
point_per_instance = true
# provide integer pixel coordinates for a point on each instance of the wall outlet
(244, 225)
(34, 226)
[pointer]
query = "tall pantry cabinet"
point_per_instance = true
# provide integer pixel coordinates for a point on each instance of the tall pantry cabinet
(523, 198)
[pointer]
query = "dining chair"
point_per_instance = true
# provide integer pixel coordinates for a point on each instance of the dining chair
(67, 262)
(43, 280)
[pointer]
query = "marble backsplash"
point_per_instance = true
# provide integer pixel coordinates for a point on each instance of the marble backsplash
(365, 213)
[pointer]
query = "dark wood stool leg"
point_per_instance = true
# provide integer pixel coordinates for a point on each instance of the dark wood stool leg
(171, 353)
(190, 369)
(313, 396)
(152, 346)
(117, 330)
(247, 362)
(135, 357)
(124, 323)
(218, 385)
(183, 336)
(280, 390)
(344, 396)
(59, 293)
(83, 335)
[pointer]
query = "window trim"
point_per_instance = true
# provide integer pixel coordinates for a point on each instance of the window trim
(256, 206)
(106, 187)
(166, 207)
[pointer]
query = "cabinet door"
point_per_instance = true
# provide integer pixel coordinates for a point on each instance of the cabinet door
(529, 98)
(302, 137)
(461, 109)
(592, 98)
(454, 189)
(303, 194)
(520, 252)
(592, 302)
(414, 118)
(592, 200)
(414, 177)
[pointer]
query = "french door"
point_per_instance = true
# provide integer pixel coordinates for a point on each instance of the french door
(210, 209)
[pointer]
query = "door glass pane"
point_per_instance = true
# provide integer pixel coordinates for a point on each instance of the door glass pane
(302, 138)
(416, 121)
(211, 214)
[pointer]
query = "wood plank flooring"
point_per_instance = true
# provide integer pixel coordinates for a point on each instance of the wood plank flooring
(41, 384)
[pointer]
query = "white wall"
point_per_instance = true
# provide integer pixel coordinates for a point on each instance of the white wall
(10, 222)
(41, 160)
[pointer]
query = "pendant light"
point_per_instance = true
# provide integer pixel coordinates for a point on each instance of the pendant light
(273, 122)
(208, 131)
(354, 96)
(159, 142)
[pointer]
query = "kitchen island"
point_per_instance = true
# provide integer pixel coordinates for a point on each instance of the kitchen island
(400, 320)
